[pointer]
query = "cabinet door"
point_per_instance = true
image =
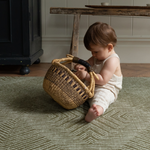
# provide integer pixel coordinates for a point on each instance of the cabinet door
(34, 26)
(11, 28)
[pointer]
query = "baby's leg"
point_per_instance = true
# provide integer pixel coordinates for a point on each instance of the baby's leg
(94, 112)
(99, 103)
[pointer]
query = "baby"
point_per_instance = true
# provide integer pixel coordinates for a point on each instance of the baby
(101, 39)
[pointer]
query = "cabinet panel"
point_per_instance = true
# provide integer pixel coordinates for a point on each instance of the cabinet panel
(34, 25)
(11, 28)
(5, 25)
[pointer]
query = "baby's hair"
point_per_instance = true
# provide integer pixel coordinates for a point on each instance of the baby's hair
(100, 34)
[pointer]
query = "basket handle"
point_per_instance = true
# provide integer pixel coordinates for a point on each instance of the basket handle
(82, 62)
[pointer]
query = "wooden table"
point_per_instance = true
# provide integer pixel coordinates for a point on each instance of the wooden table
(97, 10)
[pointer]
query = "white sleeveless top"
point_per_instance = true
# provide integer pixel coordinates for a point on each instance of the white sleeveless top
(115, 83)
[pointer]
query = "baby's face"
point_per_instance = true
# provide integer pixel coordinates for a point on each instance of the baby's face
(99, 52)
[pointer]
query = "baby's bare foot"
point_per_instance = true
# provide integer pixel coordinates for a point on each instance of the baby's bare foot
(93, 113)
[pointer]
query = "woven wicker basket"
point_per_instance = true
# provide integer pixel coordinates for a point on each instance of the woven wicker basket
(64, 86)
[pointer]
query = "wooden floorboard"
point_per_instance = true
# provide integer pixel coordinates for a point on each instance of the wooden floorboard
(135, 70)
(128, 70)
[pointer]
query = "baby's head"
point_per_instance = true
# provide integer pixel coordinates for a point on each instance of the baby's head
(100, 34)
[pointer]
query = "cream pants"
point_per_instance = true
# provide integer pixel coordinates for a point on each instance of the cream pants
(102, 97)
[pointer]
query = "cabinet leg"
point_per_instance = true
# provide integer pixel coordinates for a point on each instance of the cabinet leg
(37, 61)
(24, 70)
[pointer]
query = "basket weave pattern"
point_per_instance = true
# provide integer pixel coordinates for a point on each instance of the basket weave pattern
(63, 88)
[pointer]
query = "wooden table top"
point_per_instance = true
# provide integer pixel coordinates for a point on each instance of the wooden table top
(104, 10)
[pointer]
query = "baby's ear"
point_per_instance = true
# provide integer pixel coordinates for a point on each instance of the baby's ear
(110, 47)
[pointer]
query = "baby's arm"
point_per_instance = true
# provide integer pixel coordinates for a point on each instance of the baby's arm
(107, 71)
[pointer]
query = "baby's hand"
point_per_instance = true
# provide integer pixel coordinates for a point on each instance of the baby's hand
(81, 74)
(79, 67)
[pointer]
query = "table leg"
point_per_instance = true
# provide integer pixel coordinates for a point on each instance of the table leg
(75, 36)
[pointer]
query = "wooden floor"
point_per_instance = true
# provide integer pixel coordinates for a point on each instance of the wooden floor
(128, 70)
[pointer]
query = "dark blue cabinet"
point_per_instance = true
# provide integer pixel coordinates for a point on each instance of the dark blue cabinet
(20, 33)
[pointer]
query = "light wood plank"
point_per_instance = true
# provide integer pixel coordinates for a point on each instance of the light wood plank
(143, 11)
